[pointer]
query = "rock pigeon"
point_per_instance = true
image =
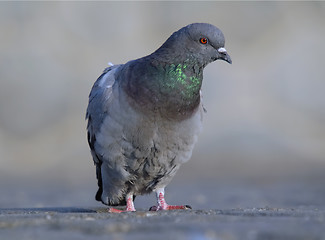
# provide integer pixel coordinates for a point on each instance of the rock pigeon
(144, 116)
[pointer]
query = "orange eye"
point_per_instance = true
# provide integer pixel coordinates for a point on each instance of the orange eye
(203, 40)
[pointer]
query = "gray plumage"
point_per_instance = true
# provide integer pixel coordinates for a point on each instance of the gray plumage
(144, 116)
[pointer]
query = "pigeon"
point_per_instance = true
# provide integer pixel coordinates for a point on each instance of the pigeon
(144, 116)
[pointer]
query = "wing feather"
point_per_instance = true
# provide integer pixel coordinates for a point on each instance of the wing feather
(99, 101)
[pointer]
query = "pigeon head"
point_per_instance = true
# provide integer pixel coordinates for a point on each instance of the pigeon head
(207, 42)
(200, 43)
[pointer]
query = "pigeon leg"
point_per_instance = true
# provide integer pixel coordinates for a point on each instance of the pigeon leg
(162, 205)
(129, 205)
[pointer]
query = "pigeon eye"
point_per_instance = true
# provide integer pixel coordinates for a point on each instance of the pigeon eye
(203, 40)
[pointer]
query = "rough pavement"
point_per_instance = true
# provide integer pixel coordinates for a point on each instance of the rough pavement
(297, 212)
(90, 223)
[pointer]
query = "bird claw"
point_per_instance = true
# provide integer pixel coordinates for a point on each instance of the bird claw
(170, 207)
(114, 210)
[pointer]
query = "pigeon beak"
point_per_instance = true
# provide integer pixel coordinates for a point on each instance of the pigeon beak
(224, 55)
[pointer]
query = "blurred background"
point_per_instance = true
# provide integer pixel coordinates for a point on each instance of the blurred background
(265, 120)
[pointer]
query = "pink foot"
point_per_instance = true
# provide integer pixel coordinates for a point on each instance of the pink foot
(170, 207)
(114, 210)
(129, 206)
(162, 205)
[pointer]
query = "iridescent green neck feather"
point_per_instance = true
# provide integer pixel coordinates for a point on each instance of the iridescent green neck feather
(170, 89)
(179, 79)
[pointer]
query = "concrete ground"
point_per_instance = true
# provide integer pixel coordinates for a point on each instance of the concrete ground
(221, 210)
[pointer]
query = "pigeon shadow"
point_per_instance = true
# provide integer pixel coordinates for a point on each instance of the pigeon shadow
(48, 209)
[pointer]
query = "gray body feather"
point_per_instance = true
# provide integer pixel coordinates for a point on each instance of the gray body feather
(134, 151)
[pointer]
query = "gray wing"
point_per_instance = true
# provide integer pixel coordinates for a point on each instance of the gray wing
(99, 101)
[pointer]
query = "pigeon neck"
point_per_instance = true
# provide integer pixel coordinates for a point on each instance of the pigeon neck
(170, 89)
(178, 88)
(183, 79)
